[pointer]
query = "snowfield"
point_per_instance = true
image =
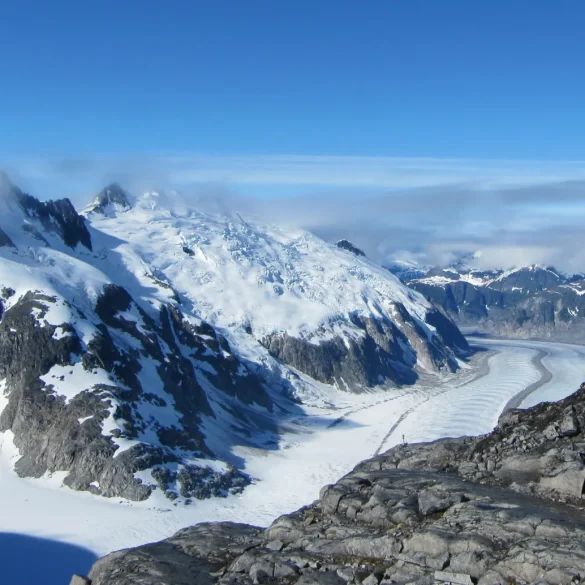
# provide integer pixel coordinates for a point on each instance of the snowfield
(237, 272)
(326, 443)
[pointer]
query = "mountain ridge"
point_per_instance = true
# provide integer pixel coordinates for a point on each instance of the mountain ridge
(133, 365)
(534, 302)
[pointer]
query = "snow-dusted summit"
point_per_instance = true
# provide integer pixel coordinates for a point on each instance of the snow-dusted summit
(140, 341)
(109, 200)
(526, 301)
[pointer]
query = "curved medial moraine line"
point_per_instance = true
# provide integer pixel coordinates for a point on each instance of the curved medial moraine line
(483, 370)
(545, 377)
(514, 402)
(398, 422)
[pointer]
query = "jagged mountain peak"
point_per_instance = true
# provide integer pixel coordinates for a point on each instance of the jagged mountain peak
(533, 300)
(25, 220)
(347, 245)
(528, 279)
(110, 199)
(115, 194)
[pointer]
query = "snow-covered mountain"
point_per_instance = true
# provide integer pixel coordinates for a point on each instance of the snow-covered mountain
(529, 301)
(407, 270)
(140, 341)
(109, 201)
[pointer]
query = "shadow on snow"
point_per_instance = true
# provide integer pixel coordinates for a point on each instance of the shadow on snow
(28, 560)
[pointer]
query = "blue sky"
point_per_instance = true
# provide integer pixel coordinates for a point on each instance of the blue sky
(478, 104)
(393, 78)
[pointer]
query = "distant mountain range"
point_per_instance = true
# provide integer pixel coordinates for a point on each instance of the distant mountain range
(526, 302)
(139, 342)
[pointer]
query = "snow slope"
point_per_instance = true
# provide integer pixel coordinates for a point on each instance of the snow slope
(238, 274)
(257, 283)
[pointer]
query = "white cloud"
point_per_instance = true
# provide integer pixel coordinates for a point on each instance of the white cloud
(517, 212)
(310, 170)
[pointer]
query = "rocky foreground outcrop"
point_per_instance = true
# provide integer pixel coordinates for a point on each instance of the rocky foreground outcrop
(504, 508)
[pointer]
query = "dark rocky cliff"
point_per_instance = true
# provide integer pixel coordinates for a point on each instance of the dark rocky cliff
(52, 217)
(107, 432)
(57, 216)
(385, 351)
(532, 302)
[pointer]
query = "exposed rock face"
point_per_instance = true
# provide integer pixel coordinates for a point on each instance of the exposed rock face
(448, 331)
(494, 510)
(382, 352)
(53, 217)
(57, 216)
(110, 197)
(99, 433)
(5, 240)
(346, 245)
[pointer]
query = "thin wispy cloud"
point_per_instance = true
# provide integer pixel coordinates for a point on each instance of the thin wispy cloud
(309, 170)
(357, 171)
